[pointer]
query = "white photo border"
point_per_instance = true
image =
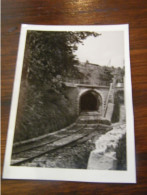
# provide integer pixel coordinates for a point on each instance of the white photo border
(83, 175)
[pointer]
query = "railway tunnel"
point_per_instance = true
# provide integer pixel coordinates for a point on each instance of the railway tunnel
(89, 102)
(90, 107)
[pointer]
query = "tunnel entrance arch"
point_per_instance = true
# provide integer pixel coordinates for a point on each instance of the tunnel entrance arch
(90, 101)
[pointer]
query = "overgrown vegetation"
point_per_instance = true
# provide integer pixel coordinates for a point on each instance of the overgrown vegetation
(118, 100)
(121, 154)
(107, 75)
(43, 105)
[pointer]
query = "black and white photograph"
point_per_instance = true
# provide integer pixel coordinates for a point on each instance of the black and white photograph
(71, 114)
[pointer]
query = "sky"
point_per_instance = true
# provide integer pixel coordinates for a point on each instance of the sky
(106, 49)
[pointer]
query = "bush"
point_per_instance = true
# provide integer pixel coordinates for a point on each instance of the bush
(121, 154)
(40, 112)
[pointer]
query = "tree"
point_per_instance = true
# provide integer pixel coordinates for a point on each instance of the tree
(107, 75)
(48, 59)
(49, 56)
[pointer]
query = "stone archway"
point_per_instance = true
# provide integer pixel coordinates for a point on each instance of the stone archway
(90, 101)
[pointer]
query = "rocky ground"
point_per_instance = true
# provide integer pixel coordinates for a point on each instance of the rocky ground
(74, 155)
(99, 139)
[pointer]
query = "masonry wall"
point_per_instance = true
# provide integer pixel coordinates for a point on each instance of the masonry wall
(74, 94)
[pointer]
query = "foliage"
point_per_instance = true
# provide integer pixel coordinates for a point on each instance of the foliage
(121, 154)
(41, 112)
(107, 75)
(118, 100)
(49, 56)
(43, 106)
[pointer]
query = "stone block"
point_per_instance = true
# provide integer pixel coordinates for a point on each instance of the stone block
(102, 161)
(104, 156)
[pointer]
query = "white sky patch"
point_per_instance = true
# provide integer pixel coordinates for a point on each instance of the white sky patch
(106, 49)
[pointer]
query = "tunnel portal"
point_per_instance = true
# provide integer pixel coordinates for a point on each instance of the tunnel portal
(89, 101)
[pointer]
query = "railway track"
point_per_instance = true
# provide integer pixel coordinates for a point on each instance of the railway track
(27, 151)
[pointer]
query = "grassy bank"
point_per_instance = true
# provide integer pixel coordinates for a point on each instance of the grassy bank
(41, 111)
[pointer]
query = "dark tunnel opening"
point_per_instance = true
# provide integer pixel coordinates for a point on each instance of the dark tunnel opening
(89, 102)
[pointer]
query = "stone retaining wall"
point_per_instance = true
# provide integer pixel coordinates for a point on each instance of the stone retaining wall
(104, 156)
